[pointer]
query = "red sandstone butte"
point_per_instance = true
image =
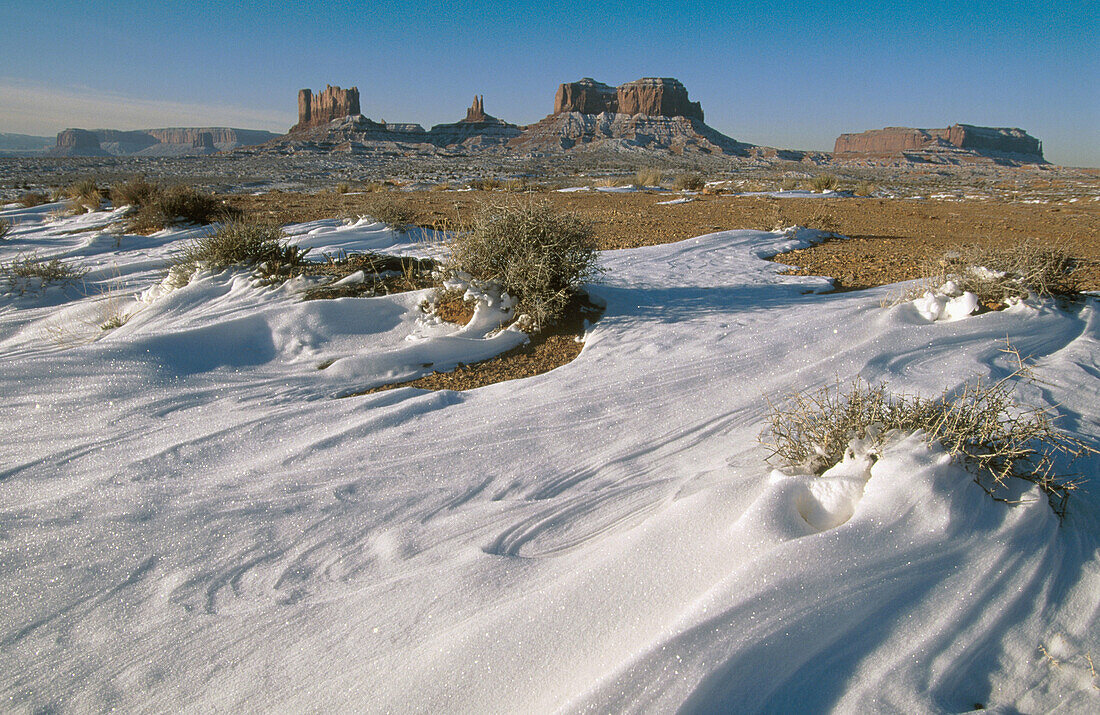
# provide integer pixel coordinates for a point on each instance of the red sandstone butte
(320, 109)
(652, 96)
(895, 140)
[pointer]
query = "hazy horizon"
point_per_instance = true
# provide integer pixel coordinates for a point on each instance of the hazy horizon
(795, 76)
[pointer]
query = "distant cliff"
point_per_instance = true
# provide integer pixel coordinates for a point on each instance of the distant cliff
(984, 141)
(332, 103)
(175, 141)
(652, 96)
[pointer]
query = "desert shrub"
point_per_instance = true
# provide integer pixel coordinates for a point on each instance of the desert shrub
(242, 242)
(690, 182)
(485, 184)
(1001, 273)
(538, 255)
(824, 182)
(343, 187)
(136, 192)
(181, 204)
(84, 195)
(865, 188)
(649, 176)
(979, 425)
(31, 199)
(789, 183)
(393, 212)
(5, 226)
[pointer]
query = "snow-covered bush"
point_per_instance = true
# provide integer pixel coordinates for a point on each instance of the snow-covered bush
(980, 425)
(242, 243)
(31, 273)
(536, 254)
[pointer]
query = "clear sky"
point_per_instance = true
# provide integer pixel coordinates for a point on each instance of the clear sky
(786, 74)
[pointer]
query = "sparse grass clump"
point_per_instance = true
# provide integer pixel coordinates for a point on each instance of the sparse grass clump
(255, 243)
(30, 199)
(865, 188)
(343, 187)
(32, 272)
(396, 214)
(5, 226)
(789, 183)
(536, 254)
(180, 204)
(649, 176)
(824, 182)
(979, 425)
(84, 195)
(689, 182)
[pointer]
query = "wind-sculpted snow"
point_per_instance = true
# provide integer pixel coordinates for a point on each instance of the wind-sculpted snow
(190, 520)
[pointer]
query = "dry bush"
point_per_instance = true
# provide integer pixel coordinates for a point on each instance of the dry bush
(5, 226)
(1001, 273)
(343, 187)
(649, 176)
(180, 204)
(84, 195)
(980, 425)
(789, 183)
(824, 182)
(136, 192)
(537, 255)
(691, 181)
(30, 199)
(391, 211)
(485, 184)
(242, 243)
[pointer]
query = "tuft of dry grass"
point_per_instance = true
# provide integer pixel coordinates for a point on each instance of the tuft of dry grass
(5, 226)
(396, 214)
(649, 176)
(998, 274)
(30, 199)
(84, 195)
(824, 182)
(980, 425)
(242, 242)
(136, 192)
(692, 181)
(865, 188)
(38, 271)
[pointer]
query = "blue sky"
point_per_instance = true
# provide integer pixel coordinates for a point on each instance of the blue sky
(791, 74)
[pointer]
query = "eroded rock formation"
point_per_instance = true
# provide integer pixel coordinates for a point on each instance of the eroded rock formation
(476, 112)
(980, 140)
(332, 103)
(652, 96)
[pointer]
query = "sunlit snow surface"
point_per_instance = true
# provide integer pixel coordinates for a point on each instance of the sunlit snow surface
(189, 519)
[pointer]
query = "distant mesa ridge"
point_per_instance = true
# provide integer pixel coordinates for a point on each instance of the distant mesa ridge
(652, 96)
(175, 141)
(979, 140)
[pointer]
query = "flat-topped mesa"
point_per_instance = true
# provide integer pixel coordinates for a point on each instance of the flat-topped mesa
(332, 103)
(981, 140)
(652, 96)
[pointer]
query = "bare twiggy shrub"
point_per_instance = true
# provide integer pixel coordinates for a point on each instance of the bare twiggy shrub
(980, 425)
(649, 176)
(689, 182)
(998, 274)
(789, 183)
(5, 226)
(537, 254)
(242, 243)
(84, 195)
(30, 199)
(485, 184)
(391, 211)
(343, 187)
(824, 182)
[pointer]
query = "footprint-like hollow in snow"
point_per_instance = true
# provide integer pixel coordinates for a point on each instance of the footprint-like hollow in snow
(827, 501)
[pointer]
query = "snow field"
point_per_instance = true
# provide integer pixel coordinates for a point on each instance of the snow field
(190, 520)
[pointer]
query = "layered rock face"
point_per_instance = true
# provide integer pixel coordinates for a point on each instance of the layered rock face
(332, 103)
(175, 141)
(652, 96)
(574, 131)
(980, 140)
